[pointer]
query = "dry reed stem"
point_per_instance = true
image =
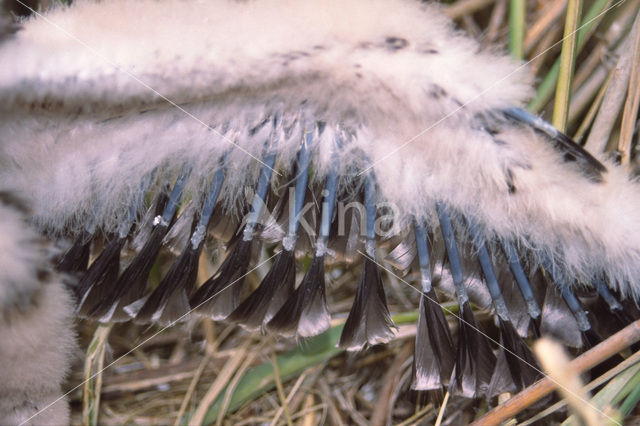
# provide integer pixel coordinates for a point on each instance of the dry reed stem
(611, 346)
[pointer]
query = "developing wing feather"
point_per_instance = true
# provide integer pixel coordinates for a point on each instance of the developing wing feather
(96, 100)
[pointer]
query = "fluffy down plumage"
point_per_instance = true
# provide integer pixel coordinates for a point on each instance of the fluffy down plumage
(104, 102)
(417, 100)
(36, 325)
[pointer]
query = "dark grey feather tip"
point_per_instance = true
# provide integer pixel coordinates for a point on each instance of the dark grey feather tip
(475, 361)
(369, 321)
(425, 367)
(558, 321)
(305, 313)
(95, 285)
(261, 305)
(76, 259)
(218, 297)
(501, 381)
(434, 356)
(132, 283)
(100, 293)
(523, 366)
(169, 301)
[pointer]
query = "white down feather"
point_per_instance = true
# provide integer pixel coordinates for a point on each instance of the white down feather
(85, 115)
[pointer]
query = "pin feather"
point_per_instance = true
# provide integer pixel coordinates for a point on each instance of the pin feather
(388, 111)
